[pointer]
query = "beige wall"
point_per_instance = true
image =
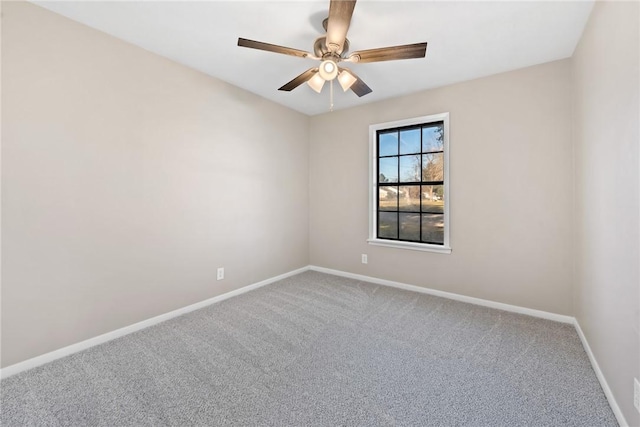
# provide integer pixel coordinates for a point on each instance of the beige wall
(606, 85)
(127, 179)
(511, 196)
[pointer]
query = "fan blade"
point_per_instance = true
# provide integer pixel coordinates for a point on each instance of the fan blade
(340, 12)
(273, 48)
(360, 88)
(302, 78)
(408, 51)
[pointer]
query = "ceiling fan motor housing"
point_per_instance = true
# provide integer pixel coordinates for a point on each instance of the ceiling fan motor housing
(321, 50)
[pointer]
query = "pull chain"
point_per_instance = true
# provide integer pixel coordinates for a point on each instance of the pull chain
(331, 96)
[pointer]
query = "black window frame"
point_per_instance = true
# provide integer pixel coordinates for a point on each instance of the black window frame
(399, 183)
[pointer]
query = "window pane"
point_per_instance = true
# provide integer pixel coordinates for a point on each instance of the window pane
(388, 144)
(388, 225)
(433, 198)
(433, 167)
(433, 228)
(410, 141)
(410, 226)
(388, 198)
(433, 138)
(409, 198)
(410, 168)
(388, 170)
(410, 203)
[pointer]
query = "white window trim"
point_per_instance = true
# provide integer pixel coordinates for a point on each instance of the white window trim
(373, 185)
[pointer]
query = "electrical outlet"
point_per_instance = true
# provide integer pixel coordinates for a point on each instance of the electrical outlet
(364, 258)
(636, 394)
(220, 275)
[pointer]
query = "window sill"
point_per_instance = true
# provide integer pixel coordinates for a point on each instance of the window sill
(411, 246)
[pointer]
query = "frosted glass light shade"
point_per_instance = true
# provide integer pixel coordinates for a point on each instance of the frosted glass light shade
(328, 69)
(346, 80)
(316, 82)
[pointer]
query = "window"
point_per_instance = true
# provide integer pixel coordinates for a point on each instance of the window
(409, 199)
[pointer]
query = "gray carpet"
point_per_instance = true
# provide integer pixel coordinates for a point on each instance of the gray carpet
(316, 349)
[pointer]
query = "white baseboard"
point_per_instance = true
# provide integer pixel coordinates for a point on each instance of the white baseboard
(603, 382)
(83, 345)
(100, 339)
(449, 295)
(500, 306)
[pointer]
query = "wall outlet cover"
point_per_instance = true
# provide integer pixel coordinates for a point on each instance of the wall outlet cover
(220, 274)
(364, 258)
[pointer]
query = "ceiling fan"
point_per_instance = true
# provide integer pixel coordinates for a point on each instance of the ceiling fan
(332, 49)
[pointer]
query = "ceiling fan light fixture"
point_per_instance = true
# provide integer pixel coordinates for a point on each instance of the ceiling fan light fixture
(316, 82)
(346, 80)
(331, 49)
(328, 69)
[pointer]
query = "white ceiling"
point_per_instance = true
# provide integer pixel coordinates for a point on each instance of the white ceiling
(466, 40)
